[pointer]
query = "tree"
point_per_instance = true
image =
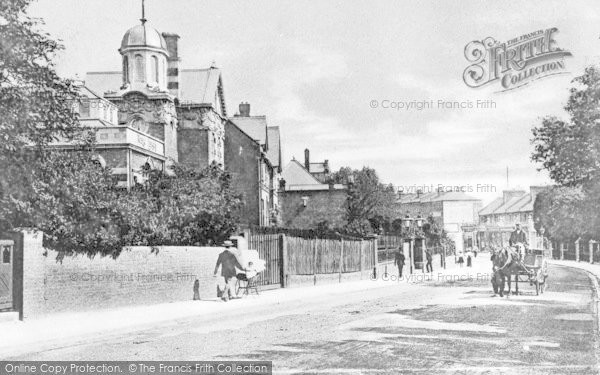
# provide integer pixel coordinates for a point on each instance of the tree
(369, 202)
(186, 207)
(33, 99)
(569, 149)
(67, 195)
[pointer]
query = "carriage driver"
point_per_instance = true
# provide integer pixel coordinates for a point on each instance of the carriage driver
(518, 235)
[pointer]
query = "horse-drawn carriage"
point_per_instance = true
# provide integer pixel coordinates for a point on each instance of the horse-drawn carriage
(527, 265)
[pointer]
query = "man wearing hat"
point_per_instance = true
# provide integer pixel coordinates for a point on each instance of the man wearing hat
(517, 236)
(228, 263)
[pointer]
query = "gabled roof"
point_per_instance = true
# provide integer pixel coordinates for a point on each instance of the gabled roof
(199, 86)
(254, 126)
(505, 208)
(295, 174)
(522, 204)
(274, 151)
(490, 208)
(202, 86)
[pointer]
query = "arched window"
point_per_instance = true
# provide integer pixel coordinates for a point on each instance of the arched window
(138, 123)
(155, 68)
(125, 69)
(139, 68)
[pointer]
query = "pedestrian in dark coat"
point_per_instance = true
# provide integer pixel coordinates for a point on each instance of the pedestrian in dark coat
(429, 267)
(399, 261)
(228, 263)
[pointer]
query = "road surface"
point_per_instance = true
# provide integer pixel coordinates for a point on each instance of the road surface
(430, 326)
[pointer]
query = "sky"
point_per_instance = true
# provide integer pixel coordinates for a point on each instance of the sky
(315, 68)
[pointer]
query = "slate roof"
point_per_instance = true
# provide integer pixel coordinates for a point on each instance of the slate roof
(489, 209)
(254, 126)
(295, 174)
(274, 151)
(522, 203)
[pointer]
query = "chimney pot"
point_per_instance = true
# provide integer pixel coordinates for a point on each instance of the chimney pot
(307, 159)
(245, 109)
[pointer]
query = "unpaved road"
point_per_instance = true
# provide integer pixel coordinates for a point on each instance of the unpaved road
(429, 327)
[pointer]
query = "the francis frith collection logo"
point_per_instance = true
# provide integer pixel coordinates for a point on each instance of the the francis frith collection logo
(514, 63)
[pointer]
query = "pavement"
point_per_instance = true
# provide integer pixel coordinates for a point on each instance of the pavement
(57, 330)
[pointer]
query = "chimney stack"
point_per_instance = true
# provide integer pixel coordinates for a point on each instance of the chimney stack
(307, 159)
(172, 63)
(245, 109)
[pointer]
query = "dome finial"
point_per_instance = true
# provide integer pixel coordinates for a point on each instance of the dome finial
(143, 19)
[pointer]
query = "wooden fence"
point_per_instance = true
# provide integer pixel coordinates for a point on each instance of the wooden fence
(290, 255)
(314, 256)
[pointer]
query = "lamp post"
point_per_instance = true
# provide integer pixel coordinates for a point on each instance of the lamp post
(419, 223)
(407, 224)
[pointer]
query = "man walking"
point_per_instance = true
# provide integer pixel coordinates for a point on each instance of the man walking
(429, 266)
(228, 263)
(399, 261)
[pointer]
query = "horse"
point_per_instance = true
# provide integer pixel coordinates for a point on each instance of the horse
(506, 262)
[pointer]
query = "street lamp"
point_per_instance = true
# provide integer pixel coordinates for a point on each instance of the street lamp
(419, 222)
(407, 222)
(408, 225)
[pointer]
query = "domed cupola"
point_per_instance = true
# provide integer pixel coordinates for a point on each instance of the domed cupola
(143, 36)
(144, 53)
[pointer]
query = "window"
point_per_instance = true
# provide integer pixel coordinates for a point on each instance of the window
(125, 69)
(155, 68)
(84, 108)
(139, 68)
(139, 123)
(6, 255)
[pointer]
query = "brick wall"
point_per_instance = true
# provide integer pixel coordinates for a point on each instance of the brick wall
(192, 146)
(138, 277)
(241, 160)
(322, 205)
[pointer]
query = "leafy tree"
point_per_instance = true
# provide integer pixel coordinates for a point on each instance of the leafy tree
(369, 202)
(33, 98)
(70, 198)
(186, 207)
(569, 149)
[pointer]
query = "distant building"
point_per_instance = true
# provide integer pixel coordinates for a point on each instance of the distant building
(450, 210)
(307, 202)
(253, 156)
(498, 219)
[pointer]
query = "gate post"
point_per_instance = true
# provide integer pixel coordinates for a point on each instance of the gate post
(283, 265)
(314, 245)
(341, 259)
(562, 251)
(591, 246)
(577, 250)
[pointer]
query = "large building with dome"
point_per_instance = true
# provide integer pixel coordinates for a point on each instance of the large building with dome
(152, 113)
